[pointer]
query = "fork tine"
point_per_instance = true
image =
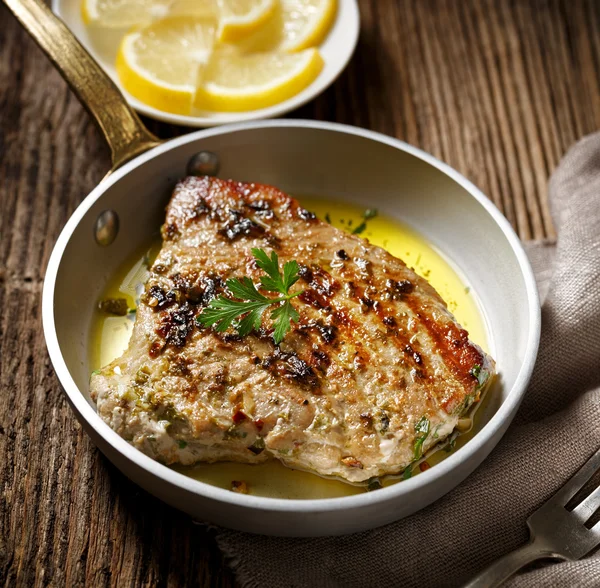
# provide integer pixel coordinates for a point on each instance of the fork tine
(595, 531)
(588, 507)
(578, 480)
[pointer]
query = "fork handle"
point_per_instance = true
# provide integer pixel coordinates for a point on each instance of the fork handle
(506, 566)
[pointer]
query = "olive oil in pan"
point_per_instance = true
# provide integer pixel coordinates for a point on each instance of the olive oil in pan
(110, 336)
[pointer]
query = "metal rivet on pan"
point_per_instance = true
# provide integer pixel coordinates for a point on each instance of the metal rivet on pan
(204, 163)
(106, 227)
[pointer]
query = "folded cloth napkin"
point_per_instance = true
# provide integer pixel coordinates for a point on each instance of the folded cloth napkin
(556, 430)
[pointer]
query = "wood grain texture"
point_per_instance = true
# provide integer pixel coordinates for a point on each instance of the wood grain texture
(499, 90)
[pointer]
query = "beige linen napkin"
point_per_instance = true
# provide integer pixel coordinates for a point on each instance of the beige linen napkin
(556, 430)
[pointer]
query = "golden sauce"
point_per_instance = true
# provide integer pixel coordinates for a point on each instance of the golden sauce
(110, 336)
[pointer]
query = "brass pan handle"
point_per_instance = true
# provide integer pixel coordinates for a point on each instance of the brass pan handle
(124, 132)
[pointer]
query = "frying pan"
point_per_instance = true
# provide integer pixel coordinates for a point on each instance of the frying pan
(300, 157)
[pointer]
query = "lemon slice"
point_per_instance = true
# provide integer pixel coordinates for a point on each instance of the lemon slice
(123, 13)
(196, 8)
(305, 23)
(240, 18)
(161, 63)
(294, 26)
(235, 82)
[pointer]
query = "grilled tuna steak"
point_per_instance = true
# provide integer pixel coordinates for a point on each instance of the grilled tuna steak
(375, 372)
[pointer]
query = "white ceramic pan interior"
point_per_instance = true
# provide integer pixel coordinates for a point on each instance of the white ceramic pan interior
(300, 157)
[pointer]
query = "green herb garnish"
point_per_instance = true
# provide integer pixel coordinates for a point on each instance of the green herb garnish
(258, 446)
(482, 377)
(370, 213)
(373, 484)
(450, 445)
(234, 433)
(327, 218)
(367, 215)
(360, 228)
(407, 473)
(223, 312)
(422, 428)
(181, 443)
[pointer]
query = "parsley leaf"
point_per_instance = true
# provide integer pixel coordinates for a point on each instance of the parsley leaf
(290, 274)
(246, 289)
(222, 312)
(450, 445)
(482, 376)
(283, 316)
(245, 314)
(359, 228)
(422, 428)
(273, 282)
(367, 215)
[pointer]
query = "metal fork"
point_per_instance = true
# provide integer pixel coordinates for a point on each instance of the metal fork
(554, 532)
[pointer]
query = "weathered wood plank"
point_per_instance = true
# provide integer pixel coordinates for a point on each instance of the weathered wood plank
(499, 90)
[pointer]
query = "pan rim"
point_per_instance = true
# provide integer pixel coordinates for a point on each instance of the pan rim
(86, 412)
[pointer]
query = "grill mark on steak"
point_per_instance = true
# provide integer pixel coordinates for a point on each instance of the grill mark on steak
(289, 365)
(241, 226)
(157, 299)
(316, 300)
(321, 287)
(176, 325)
(452, 343)
(399, 333)
(397, 289)
(367, 299)
(320, 360)
(306, 215)
(200, 208)
(327, 332)
(177, 307)
(196, 290)
(414, 354)
(262, 209)
(170, 231)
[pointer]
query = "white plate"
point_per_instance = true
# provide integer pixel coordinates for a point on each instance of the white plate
(337, 49)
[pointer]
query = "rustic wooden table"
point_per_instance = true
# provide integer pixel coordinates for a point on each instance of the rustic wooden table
(499, 90)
